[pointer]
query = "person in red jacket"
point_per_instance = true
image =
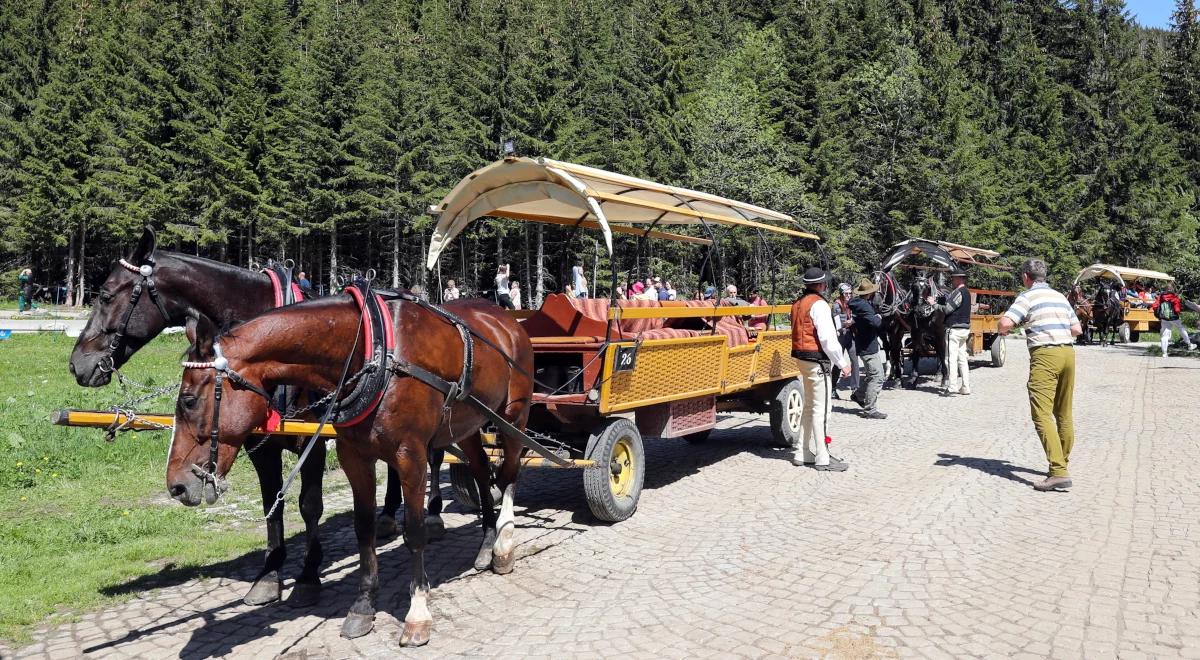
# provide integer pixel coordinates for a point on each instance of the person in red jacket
(1168, 310)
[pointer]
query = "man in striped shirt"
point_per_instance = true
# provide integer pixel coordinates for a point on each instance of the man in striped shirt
(1050, 330)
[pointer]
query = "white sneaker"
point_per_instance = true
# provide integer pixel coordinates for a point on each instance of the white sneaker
(964, 390)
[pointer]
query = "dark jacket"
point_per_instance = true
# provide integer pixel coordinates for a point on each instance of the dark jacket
(958, 308)
(866, 326)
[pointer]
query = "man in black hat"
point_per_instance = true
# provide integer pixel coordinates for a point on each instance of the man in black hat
(957, 307)
(815, 344)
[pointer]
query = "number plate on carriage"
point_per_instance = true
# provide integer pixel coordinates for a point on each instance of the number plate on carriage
(626, 358)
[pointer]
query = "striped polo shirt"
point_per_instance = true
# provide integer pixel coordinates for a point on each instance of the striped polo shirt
(1046, 315)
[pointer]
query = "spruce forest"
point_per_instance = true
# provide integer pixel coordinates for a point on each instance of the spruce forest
(321, 130)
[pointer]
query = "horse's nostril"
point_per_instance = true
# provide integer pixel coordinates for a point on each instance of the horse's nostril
(177, 490)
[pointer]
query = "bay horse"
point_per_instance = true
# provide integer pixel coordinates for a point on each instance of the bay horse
(188, 289)
(1083, 310)
(1107, 313)
(927, 326)
(313, 345)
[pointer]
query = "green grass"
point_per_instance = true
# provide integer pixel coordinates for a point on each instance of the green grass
(80, 517)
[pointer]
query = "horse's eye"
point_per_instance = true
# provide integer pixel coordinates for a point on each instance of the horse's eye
(189, 401)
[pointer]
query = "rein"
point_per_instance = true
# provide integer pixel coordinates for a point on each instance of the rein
(107, 363)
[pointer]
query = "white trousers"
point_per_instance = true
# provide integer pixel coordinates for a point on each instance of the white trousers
(815, 380)
(1165, 328)
(956, 358)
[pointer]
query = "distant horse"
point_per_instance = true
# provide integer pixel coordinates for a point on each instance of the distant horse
(1083, 309)
(313, 345)
(927, 327)
(1107, 313)
(891, 302)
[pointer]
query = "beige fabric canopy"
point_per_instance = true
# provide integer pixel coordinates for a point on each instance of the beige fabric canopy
(968, 254)
(545, 190)
(1122, 274)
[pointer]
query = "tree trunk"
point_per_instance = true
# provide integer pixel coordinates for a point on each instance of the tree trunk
(80, 292)
(71, 269)
(396, 252)
(541, 279)
(531, 302)
(333, 264)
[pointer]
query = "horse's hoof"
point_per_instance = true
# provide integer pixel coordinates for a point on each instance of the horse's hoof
(416, 633)
(503, 564)
(304, 594)
(435, 529)
(483, 560)
(386, 527)
(357, 625)
(265, 590)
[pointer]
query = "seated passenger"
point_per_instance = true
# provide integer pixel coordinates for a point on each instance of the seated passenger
(640, 293)
(710, 292)
(731, 296)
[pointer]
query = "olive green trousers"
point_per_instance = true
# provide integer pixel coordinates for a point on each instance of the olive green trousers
(1051, 388)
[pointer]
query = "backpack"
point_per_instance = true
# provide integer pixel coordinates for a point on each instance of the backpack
(1166, 309)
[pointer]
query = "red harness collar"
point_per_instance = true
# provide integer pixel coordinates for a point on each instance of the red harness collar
(369, 347)
(277, 286)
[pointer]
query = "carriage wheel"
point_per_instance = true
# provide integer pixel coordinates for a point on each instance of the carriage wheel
(614, 484)
(1123, 333)
(786, 411)
(999, 352)
(462, 485)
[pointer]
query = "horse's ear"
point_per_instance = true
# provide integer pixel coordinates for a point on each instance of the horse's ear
(201, 332)
(145, 246)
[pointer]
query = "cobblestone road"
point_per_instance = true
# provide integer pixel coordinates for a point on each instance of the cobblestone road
(932, 545)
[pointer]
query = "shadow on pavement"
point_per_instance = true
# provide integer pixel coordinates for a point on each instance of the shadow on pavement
(992, 466)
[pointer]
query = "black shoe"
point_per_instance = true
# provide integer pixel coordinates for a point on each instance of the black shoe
(799, 462)
(834, 466)
(874, 414)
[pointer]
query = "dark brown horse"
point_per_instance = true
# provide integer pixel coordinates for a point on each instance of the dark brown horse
(892, 303)
(1107, 313)
(307, 346)
(927, 328)
(191, 289)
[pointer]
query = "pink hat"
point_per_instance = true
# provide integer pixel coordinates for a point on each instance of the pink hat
(638, 287)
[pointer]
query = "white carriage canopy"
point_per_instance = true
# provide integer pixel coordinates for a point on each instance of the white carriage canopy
(1121, 274)
(550, 191)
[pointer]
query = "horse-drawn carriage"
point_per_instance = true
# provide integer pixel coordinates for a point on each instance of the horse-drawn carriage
(905, 309)
(1132, 319)
(610, 371)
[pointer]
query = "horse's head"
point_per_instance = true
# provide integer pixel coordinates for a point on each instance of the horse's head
(118, 325)
(198, 460)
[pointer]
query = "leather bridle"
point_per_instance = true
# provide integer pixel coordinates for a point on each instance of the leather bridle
(220, 364)
(107, 364)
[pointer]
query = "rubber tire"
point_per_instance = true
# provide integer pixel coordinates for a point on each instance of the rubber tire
(603, 503)
(1123, 333)
(462, 486)
(699, 437)
(999, 352)
(1135, 336)
(777, 408)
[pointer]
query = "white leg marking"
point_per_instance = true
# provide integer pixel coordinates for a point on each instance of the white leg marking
(418, 608)
(506, 523)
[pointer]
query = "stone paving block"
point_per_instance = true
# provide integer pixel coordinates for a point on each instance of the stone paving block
(932, 545)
